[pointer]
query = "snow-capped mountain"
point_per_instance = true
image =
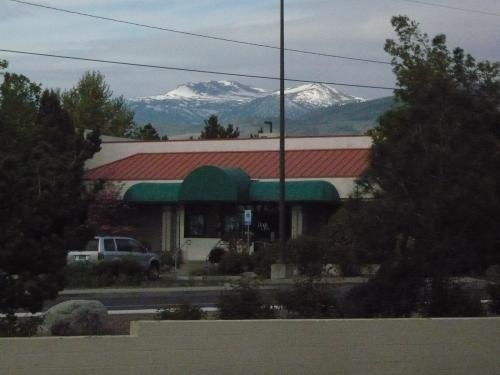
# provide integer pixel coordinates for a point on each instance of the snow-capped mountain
(212, 91)
(191, 103)
(316, 95)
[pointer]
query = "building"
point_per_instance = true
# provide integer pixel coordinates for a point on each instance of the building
(192, 194)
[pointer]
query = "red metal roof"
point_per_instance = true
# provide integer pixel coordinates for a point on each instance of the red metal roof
(258, 164)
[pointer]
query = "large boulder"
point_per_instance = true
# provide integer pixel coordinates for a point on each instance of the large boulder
(75, 318)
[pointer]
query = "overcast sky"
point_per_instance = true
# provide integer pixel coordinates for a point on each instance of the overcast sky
(346, 27)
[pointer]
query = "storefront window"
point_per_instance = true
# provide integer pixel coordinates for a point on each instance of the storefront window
(195, 224)
(222, 220)
(211, 221)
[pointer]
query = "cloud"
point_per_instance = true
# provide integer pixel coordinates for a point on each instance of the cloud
(346, 27)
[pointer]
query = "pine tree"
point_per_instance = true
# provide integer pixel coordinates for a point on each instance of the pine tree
(44, 203)
(214, 130)
(435, 159)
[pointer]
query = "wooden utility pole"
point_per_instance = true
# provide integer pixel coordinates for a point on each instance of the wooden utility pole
(282, 206)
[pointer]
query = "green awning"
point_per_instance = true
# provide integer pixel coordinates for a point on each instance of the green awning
(295, 191)
(215, 184)
(152, 192)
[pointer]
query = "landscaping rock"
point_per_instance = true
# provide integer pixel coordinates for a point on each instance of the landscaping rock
(333, 270)
(76, 318)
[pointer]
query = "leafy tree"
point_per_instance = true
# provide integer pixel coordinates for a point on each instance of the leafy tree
(433, 170)
(214, 130)
(92, 106)
(107, 212)
(44, 203)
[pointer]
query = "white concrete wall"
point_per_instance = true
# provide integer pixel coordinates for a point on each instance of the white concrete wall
(274, 347)
(111, 151)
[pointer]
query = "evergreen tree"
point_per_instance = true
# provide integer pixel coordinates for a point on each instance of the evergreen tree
(146, 133)
(434, 168)
(435, 159)
(44, 203)
(92, 106)
(214, 130)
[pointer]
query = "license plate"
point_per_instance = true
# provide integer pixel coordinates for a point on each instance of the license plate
(81, 258)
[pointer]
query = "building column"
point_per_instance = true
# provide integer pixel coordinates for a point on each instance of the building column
(166, 229)
(297, 217)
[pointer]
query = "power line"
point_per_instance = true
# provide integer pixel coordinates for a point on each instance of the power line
(468, 10)
(374, 61)
(194, 70)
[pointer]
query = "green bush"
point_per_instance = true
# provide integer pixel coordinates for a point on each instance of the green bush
(80, 275)
(11, 326)
(216, 254)
(244, 301)
(183, 311)
(443, 298)
(263, 258)
(309, 299)
(234, 263)
(392, 292)
(308, 253)
(91, 275)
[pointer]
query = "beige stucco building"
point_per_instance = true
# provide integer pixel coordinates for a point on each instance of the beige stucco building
(192, 194)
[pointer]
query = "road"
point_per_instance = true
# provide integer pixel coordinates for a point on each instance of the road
(153, 299)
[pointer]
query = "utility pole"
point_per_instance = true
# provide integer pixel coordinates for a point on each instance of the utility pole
(282, 207)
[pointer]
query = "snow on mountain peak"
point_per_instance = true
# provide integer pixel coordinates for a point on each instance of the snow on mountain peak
(216, 91)
(318, 95)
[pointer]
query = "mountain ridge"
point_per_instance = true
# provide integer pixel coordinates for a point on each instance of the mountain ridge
(184, 109)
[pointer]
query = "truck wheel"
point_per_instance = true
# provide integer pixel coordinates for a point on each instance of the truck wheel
(154, 272)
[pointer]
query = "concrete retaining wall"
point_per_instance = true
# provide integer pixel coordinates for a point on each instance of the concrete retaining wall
(392, 346)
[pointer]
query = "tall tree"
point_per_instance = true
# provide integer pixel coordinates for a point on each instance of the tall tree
(435, 159)
(214, 130)
(434, 175)
(43, 201)
(92, 106)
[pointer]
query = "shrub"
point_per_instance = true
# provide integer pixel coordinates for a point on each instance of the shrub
(216, 254)
(392, 292)
(263, 258)
(233, 263)
(183, 311)
(308, 254)
(11, 326)
(244, 301)
(80, 275)
(309, 299)
(443, 298)
(120, 272)
(167, 258)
